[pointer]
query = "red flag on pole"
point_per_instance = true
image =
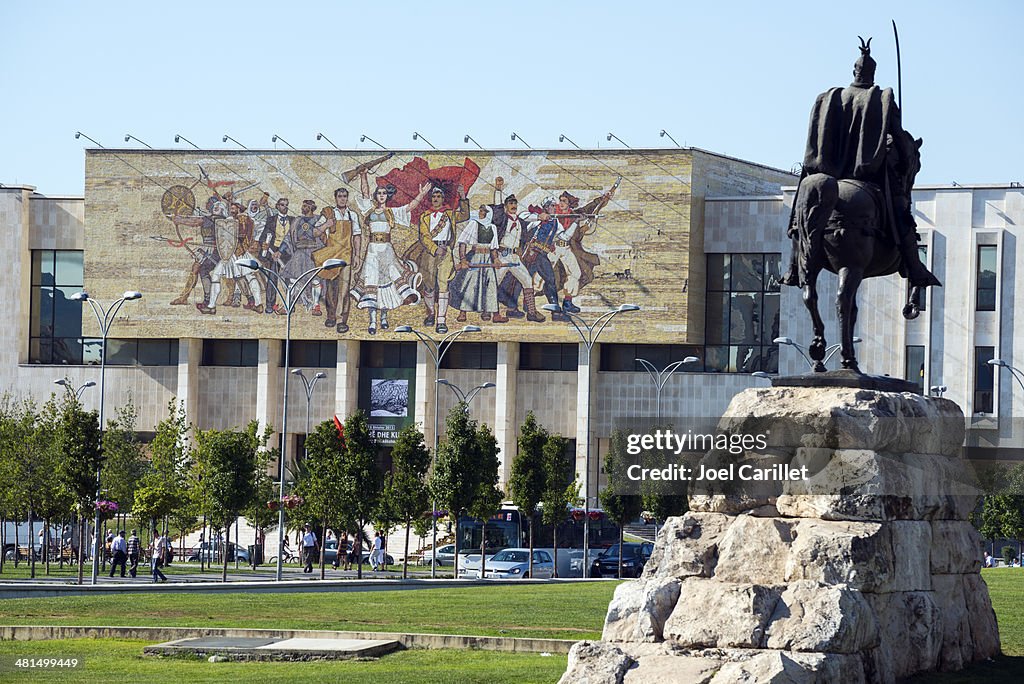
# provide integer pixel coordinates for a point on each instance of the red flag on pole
(340, 428)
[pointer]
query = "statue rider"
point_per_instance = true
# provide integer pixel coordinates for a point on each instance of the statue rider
(856, 134)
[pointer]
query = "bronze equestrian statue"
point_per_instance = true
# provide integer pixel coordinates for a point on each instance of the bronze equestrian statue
(851, 215)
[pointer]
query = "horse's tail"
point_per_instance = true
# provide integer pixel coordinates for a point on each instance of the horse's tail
(815, 202)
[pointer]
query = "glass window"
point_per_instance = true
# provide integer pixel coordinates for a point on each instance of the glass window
(470, 355)
(538, 356)
(986, 278)
(742, 316)
(311, 354)
(230, 352)
(55, 320)
(915, 366)
(718, 272)
(387, 354)
(983, 379)
(747, 272)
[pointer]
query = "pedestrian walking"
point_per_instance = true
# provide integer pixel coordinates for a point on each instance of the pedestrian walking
(357, 551)
(157, 551)
(119, 553)
(308, 547)
(377, 552)
(341, 558)
(134, 549)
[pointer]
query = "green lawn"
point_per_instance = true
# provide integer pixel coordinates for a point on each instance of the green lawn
(122, 660)
(559, 611)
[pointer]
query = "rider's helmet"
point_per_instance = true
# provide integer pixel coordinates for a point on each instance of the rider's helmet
(864, 67)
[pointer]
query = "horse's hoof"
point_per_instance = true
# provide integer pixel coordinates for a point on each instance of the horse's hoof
(819, 367)
(910, 312)
(851, 365)
(817, 349)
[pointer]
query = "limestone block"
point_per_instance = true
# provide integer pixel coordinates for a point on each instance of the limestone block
(782, 667)
(956, 650)
(910, 627)
(755, 550)
(984, 632)
(719, 614)
(687, 545)
(847, 484)
(817, 617)
(841, 552)
(911, 556)
(672, 669)
(846, 418)
(956, 547)
(639, 609)
(941, 487)
(594, 662)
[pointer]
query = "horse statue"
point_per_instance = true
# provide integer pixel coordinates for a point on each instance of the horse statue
(851, 215)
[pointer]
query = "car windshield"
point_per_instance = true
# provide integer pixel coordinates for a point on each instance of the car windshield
(630, 550)
(511, 556)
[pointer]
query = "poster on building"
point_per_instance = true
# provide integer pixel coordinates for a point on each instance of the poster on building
(386, 394)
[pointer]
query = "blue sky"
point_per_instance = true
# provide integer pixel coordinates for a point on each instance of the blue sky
(731, 77)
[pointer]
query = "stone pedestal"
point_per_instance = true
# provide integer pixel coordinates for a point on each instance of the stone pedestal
(865, 571)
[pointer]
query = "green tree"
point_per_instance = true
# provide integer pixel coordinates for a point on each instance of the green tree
(323, 486)
(259, 515)
(488, 495)
(361, 478)
(619, 506)
(559, 476)
(527, 480)
(123, 457)
(453, 482)
(405, 487)
(227, 460)
(164, 487)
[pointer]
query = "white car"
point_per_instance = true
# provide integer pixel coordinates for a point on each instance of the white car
(515, 564)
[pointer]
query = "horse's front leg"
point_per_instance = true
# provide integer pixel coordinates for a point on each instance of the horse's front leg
(846, 306)
(910, 309)
(810, 293)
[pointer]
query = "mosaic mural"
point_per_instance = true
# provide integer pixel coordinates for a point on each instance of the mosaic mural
(512, 242)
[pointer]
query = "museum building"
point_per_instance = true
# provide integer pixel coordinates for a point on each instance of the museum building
(515, 243)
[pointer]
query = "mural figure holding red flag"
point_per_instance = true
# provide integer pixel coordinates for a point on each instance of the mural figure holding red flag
(385, 282)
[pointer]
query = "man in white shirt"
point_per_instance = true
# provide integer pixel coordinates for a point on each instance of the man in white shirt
(308, 547)
(119, 551)
(377, 553)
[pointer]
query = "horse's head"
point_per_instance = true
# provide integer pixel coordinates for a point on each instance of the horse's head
(909, 149)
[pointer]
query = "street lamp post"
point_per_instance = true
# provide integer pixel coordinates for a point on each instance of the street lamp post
(105, 319)
(70, 386)
(465, 397)
(589, 333)
(830, 351)
(308, 385)
(659, 378)
(290, 297)
(1017, 373)
(437, 349)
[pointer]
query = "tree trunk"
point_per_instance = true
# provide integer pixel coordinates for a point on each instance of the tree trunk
(531, 548)
(621, 536)
(81, 548)
(223, 551)
(405, 561)
(554, 544)
(323, 547)
(17, 542)
(358, 556)
(31, 541)
(204, 537)
(3, 541)
(455, 565)
(483, 548)
(46, 545)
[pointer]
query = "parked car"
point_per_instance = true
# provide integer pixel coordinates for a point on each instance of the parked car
(445, 555)
(634, 557)
(469, 564)
(192, 555)
(515, 564)
(331, 552)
